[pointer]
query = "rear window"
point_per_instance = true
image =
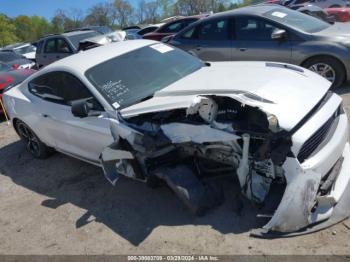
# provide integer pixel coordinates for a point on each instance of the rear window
(296, 20)
(8, 56)
(25, 49)
(75, 39)
(4, 67)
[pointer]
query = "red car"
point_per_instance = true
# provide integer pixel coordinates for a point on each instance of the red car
(12, 78)
(173, 27)
(340, 14)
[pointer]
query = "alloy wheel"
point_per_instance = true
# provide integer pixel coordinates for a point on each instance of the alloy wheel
(324, 70)
(32, 142)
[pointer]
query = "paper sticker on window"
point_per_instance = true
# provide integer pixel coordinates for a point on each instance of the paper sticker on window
(279, 14)
(161, 48)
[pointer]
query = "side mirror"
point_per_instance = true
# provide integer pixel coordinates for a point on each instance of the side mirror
(80, 109)
(278, 34)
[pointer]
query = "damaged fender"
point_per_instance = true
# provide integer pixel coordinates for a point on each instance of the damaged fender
(294, 211)
(114, 163)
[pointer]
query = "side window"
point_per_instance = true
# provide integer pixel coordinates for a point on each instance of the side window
(189, 33)
(62, 88)
(62, 46)
(50, 46)
(251, 29)
(187, 22)
(213, 30)
(172, 28)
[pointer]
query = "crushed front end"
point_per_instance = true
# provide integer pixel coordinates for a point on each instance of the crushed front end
(215, 135)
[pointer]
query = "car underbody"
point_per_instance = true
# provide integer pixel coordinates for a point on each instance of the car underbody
(215, 136)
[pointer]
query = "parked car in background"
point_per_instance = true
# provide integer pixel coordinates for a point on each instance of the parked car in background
(14, 60)
(276, 2)
(99, 29)
(340, 14)
(330, 3)
(5, 67)
(185, 120)
(131, 34)
(54, 47)
(271, 33)
(173, 27)
(138, 34)
(314, 11)
(12, 78)
(25, 49)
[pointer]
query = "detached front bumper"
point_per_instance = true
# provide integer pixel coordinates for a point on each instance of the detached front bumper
(303, 208)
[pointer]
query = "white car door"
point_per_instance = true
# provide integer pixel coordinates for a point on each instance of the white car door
(82, 137)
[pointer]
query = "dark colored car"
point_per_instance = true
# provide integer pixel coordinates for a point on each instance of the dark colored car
(271, 33)
(14, 60)
(12, 78)
(172, 28)
(54, 47)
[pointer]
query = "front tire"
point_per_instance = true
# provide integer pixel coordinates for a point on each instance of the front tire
(329, 68)
(33, 144)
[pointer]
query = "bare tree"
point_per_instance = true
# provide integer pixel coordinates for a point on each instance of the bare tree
(193, 7)
(123, 11)
(141, 12)
(100, 14)
(151, 12)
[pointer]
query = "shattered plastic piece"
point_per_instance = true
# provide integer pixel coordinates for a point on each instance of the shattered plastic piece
(196, 196)
(110, 160)
(205, 107)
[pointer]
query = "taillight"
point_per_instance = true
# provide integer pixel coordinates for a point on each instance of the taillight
(15, 66)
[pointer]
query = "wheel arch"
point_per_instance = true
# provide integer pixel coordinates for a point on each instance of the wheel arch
(329, 56)
(14, 123)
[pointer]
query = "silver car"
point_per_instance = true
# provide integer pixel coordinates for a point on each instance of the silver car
(271, 33)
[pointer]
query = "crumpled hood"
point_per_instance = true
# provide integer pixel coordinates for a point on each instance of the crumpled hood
(287, 93)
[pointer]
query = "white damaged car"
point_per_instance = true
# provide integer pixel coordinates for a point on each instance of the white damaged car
(154, 113)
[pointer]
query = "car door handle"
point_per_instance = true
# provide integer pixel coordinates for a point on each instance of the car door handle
(45, 115)
(242, 49)
(199, 47)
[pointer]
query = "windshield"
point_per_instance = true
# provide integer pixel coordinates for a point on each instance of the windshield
(8, 56)
(137, 75)
(75, 39)
(25, 49)
(296, 20)
(103, 30)
(4, 67)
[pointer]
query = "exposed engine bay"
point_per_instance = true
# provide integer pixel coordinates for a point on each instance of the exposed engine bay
(214, 136)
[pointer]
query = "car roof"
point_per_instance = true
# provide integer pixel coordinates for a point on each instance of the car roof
(68, 34)
(84, 60)
(16, 45)
(258, 10)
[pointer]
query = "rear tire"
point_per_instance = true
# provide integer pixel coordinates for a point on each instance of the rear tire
(33, 144)
(328, 67)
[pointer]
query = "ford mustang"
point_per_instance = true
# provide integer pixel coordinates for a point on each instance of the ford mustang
(154, 113)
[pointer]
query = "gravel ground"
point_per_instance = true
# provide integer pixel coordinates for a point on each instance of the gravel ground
(65, 206)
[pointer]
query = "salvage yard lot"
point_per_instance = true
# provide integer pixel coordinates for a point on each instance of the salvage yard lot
(65, 206)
